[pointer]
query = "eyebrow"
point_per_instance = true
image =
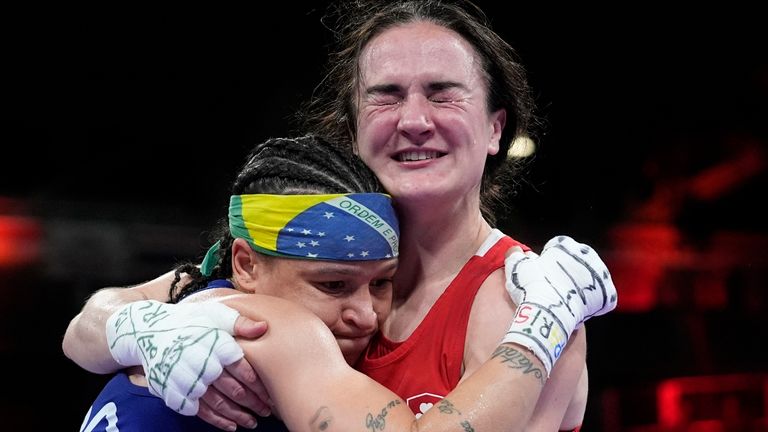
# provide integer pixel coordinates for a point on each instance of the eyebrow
(351, 269)
(432, 86)
(391, 266)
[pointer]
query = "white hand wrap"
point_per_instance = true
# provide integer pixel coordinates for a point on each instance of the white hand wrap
(182, 347)
(555, 292)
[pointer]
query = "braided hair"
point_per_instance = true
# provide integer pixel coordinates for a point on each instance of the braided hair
(282, 166)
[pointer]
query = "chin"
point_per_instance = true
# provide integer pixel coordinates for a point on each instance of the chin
(352, 349)
(352, 358)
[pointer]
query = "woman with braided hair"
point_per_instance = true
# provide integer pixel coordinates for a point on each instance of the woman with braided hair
(294, 207)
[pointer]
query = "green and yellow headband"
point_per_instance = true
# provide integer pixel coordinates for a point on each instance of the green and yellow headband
(341, 227)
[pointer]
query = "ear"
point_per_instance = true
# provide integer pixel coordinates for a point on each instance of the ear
(498, 121)
(245, 265)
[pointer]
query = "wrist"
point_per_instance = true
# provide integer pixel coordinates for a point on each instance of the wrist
(541, 331)
(124, 328)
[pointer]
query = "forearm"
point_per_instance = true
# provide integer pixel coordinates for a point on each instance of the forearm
(500, 396)
(562, 402)
(85, 340)
(311, 384)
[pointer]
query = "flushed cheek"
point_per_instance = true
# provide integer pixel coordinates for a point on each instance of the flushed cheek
(374, 152)
(377, 127)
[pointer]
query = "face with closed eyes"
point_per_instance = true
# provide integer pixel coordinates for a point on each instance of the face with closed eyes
(423, 120)
(351, 297)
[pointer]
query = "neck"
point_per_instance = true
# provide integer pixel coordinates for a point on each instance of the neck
(434, 246)
(432, 252)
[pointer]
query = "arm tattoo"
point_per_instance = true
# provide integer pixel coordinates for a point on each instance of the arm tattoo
(379, 422)
(446, 407)
(321, 421)
(516, 359)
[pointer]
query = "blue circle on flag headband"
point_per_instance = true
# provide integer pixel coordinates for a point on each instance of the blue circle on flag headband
(342, 227)
(354, 227)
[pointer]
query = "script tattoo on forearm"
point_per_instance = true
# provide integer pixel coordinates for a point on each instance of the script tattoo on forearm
(446, 407)
(379, 422)
(322, 419)
(516, 359)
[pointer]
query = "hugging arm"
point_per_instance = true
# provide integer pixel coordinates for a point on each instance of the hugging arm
(235, 384)
(314, 389)
(85, 340)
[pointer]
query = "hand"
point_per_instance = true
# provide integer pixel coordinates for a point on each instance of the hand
(555, 292)
(182, 347)
(233, 397)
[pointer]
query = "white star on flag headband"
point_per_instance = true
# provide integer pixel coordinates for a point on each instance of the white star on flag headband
(340, 227)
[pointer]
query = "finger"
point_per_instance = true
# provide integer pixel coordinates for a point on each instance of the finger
(248, 328)
(556, 240)
(514, 255)
(588, 270)
(208, 415)
(177, 402)
(220, 411)
(227, 351)
(255, 395)
(223, 316)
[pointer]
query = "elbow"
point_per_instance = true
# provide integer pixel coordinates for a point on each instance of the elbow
(68, 343)
(72, 346)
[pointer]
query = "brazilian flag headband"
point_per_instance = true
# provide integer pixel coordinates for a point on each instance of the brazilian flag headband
(340, 227)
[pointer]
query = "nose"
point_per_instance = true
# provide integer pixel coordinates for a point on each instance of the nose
(415, 118)
(359, 313)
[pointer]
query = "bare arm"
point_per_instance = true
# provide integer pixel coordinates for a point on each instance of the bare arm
(85, 340)
(562, 402)
(314, 389)
(574, 416)
(492, 312)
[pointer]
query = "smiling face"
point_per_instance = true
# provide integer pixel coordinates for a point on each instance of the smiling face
(351, 297)
(423, 122)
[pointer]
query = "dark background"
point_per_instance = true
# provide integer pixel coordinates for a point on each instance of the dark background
(127, 125)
